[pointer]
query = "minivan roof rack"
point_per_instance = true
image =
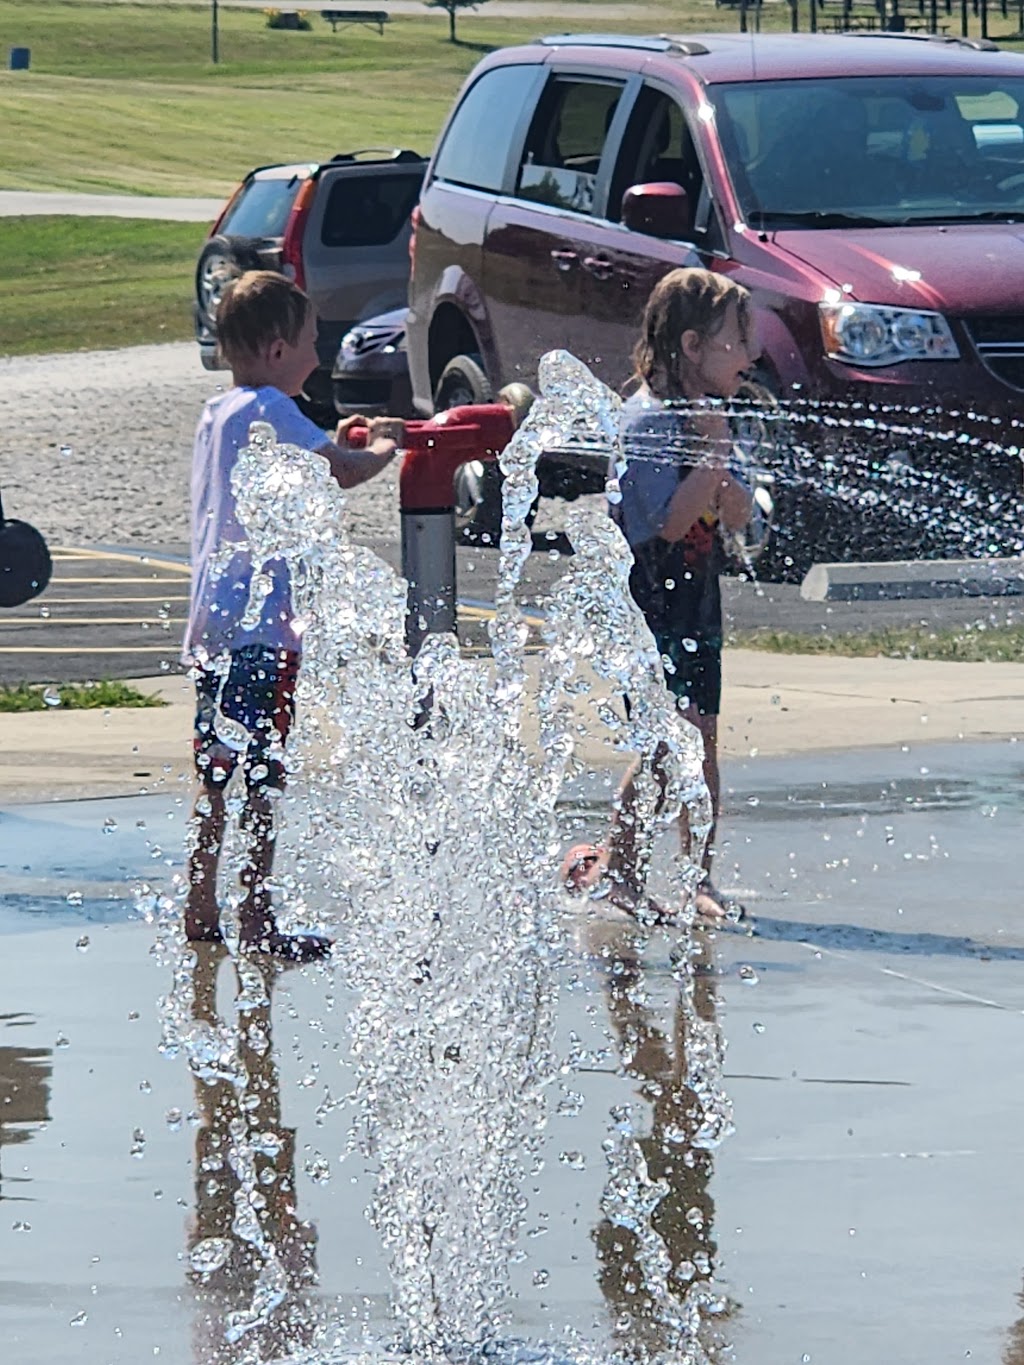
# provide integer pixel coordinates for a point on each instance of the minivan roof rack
(947, 39)
(652, 43)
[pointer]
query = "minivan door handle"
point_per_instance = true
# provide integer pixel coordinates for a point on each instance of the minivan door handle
(599, 266)
(564, 260)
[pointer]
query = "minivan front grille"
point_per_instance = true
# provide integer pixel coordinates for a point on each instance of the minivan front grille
(999, 342)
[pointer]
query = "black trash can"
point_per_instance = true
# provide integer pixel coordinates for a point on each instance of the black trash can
(20, 57)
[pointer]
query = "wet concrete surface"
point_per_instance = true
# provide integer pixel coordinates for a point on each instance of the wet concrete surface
(867, 1207)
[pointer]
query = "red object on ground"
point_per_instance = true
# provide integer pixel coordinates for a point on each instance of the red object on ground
(436, 447)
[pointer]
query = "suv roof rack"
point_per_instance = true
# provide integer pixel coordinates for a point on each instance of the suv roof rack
(947, 39)
(653, 43)
(379, 154)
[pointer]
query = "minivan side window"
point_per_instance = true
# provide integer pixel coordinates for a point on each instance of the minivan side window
(565, 142)
(477, 144)
(657, 146)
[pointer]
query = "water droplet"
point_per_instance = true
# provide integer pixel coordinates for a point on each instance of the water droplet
(109, 825)
(67, 452)
(44, 612)
(21, 1226)
(574, 1160)
(82, 944)
(318, 1168)
(61, 1041)
(748, 976)
(758, 1028)
(138, 1148)
(541, 1278)
(74, 898)
(210, 1254)
(173, 1119)
(79, 1320)
(146, 1087)
(51, 696)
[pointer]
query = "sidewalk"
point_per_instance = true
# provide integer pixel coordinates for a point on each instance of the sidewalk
(773, 705)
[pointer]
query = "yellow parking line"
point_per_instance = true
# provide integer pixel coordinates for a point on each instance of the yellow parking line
(69, 622)
(110, 601)
(58, 581)
(120, 556)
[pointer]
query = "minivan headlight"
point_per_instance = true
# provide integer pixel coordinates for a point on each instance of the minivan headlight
(868, 334)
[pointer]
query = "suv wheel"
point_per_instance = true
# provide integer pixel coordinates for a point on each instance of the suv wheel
(222, 260)
(463, 381)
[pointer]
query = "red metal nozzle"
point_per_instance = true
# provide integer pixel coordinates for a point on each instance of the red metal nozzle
(434, 450)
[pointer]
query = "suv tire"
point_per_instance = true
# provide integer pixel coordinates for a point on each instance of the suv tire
(222, 260)
(477, 483)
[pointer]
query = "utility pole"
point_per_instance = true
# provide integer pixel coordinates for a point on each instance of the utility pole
(214, 45)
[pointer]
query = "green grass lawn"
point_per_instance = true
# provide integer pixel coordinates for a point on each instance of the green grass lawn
(90, 696)
(1003, 644)
(74, 283)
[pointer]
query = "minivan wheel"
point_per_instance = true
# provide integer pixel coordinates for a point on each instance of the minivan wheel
(464, 382)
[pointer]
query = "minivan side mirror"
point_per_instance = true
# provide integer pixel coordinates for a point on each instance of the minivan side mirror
(660, 208)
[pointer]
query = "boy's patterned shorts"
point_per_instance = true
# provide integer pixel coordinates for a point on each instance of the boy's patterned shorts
(258, 695)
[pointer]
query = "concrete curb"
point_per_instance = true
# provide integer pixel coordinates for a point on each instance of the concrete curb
(900, 580)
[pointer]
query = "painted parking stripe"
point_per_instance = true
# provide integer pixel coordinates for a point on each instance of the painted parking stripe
(90, 649)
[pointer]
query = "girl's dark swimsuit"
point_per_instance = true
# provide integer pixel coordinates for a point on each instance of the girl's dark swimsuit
(674, 583)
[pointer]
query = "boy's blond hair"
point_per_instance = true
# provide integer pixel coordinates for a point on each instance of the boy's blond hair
(257, 309)
(688, 299)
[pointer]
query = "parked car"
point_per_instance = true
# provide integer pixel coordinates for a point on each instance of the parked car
(340, 228)
(867, 189)
(371, 369)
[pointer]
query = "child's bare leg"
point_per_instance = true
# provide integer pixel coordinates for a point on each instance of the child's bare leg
(257, 923)
(709, 905)
(202, 915)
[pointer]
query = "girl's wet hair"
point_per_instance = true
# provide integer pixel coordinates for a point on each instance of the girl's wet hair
(257, 309)
(684, 300)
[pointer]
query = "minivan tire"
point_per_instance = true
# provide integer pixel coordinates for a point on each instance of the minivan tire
(463, 381)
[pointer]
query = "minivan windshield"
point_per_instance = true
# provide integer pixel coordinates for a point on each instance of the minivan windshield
(874, 151)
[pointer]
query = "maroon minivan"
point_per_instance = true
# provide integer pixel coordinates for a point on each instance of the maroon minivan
(867, 189)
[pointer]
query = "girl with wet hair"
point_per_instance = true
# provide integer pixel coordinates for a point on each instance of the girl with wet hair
(679, 498)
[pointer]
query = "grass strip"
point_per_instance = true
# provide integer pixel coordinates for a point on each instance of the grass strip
(89, 696)
(996, 644)
(74, 283)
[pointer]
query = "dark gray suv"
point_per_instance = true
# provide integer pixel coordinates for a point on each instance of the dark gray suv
(339, 228)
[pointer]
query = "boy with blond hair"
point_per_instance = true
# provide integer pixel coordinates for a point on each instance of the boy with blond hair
(266, 332)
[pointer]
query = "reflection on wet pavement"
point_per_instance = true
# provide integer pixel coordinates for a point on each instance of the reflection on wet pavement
(24, 1097)
(223, 1267)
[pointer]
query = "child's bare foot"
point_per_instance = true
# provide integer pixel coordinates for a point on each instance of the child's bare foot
(713, 909)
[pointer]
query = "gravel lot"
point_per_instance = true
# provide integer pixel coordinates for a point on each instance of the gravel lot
(95, 447)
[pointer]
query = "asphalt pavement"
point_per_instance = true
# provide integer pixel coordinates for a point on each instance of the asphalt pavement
(118, 612)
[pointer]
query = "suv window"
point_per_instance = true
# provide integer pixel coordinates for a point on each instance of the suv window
(657, 146)
(263, 207)
(476, 147)
(563, 148)
(370, 210)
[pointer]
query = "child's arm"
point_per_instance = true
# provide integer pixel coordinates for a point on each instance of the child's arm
(351, 466)
(709, 487)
